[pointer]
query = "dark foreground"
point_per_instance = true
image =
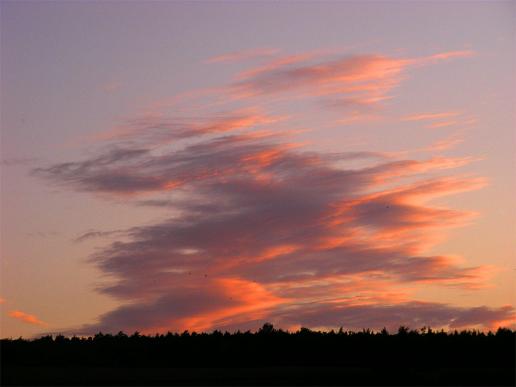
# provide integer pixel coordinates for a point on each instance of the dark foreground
(267, 358)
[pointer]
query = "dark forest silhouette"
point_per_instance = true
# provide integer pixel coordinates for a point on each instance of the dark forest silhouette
(267, 357)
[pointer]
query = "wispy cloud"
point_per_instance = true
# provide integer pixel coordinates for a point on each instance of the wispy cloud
(441, 119)
(9, 162)
(159, 129)
(429, 116)
(391, 316)
(351, 82)
(366, 76)
(441, 124)
(448, 55)
(26, 318)
(93, 234)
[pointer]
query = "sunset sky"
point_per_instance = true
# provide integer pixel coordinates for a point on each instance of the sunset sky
(217, 165)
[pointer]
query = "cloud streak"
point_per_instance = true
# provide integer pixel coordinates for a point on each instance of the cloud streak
(26, 318)
(353, 82)
(429, 116)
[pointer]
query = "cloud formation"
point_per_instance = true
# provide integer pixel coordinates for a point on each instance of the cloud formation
(429, 116)
(412, 314)
(260, 228)
(93, 234)
(353, 82)
(26, 318)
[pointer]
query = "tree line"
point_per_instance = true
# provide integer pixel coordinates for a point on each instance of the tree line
(270, 346)
(423, 356)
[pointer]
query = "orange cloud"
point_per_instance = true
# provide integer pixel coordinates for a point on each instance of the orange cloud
(264, 212)
(440, 145)
(429, 116)
(450, 54)
(441, 124)
(446, 143)
(159, 129)
(441, 120)
(276, 251)
(352, 82)
(366, 77)
(248, 300)
(259, 227)
(404, 168)
(26, 318)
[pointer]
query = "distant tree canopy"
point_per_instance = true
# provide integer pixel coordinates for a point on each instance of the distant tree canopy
(269, 347)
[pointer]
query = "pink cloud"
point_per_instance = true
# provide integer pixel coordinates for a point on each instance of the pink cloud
(263, 212)
(429, 116)
(373, 75)
(349, 82)
(157, 129)
(262, 228)
(441, 119)
(449, 54)
(441, 124)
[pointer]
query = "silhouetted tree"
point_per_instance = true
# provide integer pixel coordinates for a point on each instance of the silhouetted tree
(389, 354)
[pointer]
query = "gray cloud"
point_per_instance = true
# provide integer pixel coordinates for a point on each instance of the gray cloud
(254, 216)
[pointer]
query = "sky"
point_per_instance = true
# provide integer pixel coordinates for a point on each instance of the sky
(171, 166)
